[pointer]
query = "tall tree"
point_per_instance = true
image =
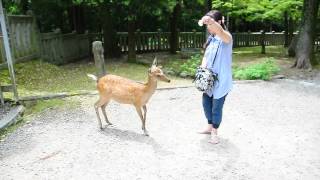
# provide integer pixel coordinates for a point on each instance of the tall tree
(76, 18)
(174, 21)
(305, 43)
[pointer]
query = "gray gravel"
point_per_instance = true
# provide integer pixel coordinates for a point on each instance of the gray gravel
(270, 130)
(4, 110)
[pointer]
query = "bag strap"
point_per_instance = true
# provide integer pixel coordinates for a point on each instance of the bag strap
(214, 59)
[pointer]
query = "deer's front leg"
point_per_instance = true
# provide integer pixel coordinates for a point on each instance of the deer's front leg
(144, 117)
(139, 111)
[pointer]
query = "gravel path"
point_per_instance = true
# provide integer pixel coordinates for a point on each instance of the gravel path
(270, 130)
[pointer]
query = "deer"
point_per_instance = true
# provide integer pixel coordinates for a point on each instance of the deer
(126, 91)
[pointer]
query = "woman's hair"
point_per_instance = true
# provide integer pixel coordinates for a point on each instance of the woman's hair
(216, 15)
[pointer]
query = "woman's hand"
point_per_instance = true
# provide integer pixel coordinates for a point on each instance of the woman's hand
(207, 20)
(215, 28)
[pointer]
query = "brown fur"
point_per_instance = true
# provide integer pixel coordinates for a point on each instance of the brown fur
(125, 91)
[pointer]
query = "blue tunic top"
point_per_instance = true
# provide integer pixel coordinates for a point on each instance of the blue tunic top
(221, 66)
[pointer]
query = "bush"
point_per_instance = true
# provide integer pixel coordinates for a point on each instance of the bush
(190, 66)
(262, 70)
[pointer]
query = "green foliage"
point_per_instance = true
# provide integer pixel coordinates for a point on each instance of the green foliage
(189, 67)
(260, 10)
(262, 70)
(13, 9)
(151, 15)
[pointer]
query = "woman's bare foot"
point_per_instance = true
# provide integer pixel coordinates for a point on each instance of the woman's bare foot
(207, 131)
(214, 137)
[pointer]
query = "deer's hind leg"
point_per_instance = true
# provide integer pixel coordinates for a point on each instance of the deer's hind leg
(103, 108)
(97, 105)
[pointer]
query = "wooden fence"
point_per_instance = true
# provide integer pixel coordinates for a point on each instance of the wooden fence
(255, 39)
(58, 48)
(23, 38)
(159, 41)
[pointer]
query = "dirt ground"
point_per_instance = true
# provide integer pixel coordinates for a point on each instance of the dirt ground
(270, 130)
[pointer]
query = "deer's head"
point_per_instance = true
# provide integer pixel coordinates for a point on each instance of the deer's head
(156, 73)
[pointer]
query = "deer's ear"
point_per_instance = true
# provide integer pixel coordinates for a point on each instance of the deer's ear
(155, 62)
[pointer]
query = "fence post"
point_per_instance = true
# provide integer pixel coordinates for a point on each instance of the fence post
(248, 38)
(273, 40)
(159, 39)
(59, 56)
(178, 40)
(262, 42)
(97, 50)
(285, 37)
(194, 38)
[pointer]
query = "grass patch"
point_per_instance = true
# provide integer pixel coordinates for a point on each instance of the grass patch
(38, 78)
(263, 70)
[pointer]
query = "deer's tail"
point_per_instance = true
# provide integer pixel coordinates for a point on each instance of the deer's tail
(93, 77)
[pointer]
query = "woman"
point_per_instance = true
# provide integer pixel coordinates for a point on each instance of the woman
(217, 58)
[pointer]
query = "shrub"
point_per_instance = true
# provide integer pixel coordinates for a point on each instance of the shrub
(190, 66)
(262, 70)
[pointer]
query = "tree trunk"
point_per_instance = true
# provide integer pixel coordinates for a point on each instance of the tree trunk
(24, 5)
(292, 39)
(305, 43)
(286, 29)
(290, 29)
(110, 40)
(76, 18)
(208, 5)
(131, 41)
(208, 8)
(80, 28)
(174, 21)
(292, 47)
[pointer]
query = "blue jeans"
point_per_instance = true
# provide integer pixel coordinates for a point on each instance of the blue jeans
(213, 109)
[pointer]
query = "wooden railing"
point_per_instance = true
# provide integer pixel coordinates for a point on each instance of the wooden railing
(61, 48)
(191, 39)
(254, 39)
(156, 41)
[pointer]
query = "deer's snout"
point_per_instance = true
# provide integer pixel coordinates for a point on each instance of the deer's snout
(165, 79)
